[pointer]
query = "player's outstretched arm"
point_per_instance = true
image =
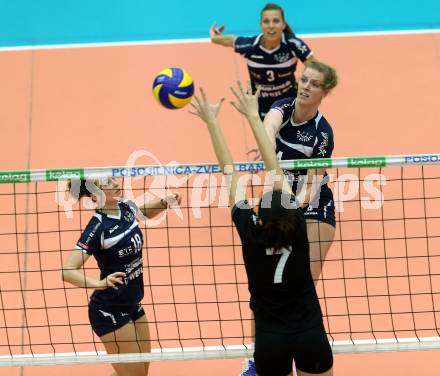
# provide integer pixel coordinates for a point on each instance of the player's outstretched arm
(208, 112)
(247, 104)
(155, 207)
(215, 33)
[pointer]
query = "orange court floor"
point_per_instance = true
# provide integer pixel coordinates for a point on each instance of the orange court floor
(87, 107)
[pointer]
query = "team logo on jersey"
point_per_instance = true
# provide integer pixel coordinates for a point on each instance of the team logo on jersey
(298, 44)
(303, 136)
(281, 57)
(128, 216)
(323, 145)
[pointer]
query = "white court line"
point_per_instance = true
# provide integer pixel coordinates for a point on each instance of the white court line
(206, 40)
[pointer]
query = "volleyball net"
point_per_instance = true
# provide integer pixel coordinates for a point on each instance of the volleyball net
(379, 288)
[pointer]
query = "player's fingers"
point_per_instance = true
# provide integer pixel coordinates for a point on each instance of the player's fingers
(221, 102)
(204, 99)
(196, 99)
(240, 86)
(237, 107)
(236, 95)
(118, 274)
(194, 113)
(221, 28)
(257, 93)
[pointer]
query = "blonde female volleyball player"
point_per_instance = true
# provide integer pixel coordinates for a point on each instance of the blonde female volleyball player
(113, 237)
(298, 130)
(272, 56)
(288, 317)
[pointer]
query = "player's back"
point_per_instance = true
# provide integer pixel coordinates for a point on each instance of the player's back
(283, 295)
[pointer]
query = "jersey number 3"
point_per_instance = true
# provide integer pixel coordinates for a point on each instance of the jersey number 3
(285, 253)
(270, 75)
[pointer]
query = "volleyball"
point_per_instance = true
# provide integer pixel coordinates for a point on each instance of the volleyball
(173, 88)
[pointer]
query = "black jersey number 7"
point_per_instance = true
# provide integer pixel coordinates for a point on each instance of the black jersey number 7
(285, 253)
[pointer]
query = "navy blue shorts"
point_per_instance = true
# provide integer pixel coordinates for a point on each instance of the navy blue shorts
(275, 352)
(105, 319)
(324, 211)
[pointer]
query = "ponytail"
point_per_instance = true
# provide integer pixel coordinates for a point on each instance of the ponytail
(288, 29)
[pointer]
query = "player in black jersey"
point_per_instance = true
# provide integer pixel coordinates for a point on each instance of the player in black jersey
(298, 130)
(113, 237)
(272, 56)
(275, 248)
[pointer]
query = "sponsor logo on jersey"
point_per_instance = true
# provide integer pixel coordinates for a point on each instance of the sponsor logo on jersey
(255, 75)
(257, 57)
(82, 245)
(323, 145)
(288, 74)
(113, 229)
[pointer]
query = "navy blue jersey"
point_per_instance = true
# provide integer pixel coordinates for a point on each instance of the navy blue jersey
(273, 70)
(310, 139)
(283, 296)
(116, 243)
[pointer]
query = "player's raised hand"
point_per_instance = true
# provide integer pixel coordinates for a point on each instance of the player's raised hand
(172, 200)
(216, 31)
(208, 112)
(254, 154)
(247, 103)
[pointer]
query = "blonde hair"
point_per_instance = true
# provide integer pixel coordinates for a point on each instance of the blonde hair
(330, 75)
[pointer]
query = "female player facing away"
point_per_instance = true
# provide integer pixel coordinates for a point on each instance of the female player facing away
(272, 56)
(113, 237)
(288, 317)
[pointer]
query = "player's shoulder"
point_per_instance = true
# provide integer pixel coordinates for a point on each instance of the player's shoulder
(243, 43)
(95, 221)
(291, 38)
(128, 205)
(285, 105)
(323, 124)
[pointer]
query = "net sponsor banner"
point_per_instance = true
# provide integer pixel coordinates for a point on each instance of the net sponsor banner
(64, 174)
(313, 163)
(366, 162)
(15, 176)
(189, 169)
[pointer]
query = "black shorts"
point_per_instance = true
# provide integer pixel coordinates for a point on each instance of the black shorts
(105, 319)
(275, 352)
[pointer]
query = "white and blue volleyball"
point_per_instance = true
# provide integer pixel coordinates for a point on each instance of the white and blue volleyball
(173, 88)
